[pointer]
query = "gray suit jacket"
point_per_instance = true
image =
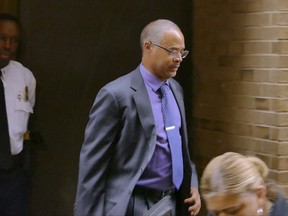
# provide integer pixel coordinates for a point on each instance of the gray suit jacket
(119, 142)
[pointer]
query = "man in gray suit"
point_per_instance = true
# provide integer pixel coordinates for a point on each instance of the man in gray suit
(125, 162)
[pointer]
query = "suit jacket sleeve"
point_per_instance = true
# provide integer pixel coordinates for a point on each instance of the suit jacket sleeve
(95, 155)
(178, 92)
(194, 177)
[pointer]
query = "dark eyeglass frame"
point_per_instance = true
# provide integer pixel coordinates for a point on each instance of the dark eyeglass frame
(173, 53)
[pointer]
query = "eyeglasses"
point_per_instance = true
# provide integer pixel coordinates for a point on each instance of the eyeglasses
(173, 53)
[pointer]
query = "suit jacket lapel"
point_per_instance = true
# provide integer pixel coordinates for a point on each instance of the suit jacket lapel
(179, 99)
(142, 102)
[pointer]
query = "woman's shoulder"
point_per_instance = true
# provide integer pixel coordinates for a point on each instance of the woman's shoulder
(280, 206)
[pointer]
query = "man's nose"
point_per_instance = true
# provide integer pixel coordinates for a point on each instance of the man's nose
(178, 58)
(7, 43)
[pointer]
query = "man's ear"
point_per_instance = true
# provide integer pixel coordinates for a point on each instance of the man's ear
(147, 46)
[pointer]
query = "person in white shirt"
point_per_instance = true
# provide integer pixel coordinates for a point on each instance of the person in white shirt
(19, 93)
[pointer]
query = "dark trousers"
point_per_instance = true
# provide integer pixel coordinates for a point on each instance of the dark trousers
(13, 192)
(142, 200)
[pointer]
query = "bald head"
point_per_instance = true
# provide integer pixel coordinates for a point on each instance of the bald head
(155, 30)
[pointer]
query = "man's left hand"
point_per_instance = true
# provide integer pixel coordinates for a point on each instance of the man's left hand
(193, 201)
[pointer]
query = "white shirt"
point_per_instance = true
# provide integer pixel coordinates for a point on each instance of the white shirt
(19, 85)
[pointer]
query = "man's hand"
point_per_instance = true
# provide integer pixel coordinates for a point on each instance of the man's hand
(193, 201)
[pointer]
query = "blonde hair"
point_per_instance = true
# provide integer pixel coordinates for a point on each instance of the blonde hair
(233, 173)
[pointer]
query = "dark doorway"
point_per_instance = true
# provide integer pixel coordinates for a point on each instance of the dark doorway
(73, 48)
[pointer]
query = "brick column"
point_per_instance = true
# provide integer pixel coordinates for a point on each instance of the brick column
(241, 81)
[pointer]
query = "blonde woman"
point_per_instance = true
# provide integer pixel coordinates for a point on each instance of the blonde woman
(234, 184)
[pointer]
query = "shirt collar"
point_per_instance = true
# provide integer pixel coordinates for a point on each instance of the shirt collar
(151, 80)
(5, 69)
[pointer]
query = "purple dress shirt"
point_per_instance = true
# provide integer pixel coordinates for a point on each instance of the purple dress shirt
(158, 173)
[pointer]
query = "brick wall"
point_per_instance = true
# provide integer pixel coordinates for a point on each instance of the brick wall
(240, 57)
